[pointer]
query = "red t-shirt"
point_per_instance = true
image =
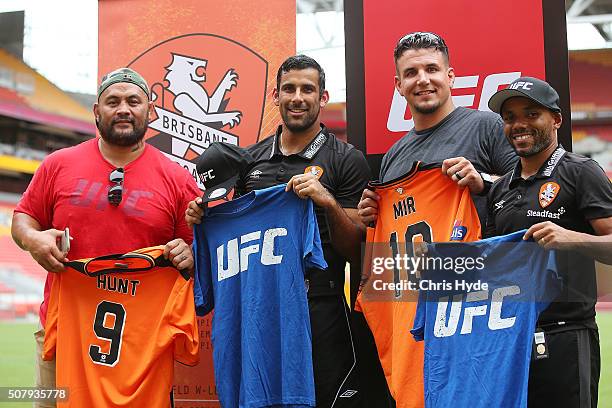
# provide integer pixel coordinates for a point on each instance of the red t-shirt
(70, 190)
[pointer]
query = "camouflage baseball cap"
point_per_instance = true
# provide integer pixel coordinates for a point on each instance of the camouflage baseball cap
(123, 75)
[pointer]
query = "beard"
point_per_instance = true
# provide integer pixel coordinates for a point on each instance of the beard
(122, 138)
(542, 138)
(299, 126)
(426, 110)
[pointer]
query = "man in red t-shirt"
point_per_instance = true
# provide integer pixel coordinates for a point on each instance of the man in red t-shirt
(114, 193)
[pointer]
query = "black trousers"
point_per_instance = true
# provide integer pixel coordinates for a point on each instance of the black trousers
(333, 353)
(570, 376)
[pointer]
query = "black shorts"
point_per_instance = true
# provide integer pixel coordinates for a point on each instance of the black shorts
(570, 376)
(333, 353)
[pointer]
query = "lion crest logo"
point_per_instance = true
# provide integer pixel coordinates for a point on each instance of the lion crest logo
(548, 193)
(205, 88)
(190, 96)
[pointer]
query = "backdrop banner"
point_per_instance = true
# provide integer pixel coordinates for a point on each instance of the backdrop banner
(490, 44)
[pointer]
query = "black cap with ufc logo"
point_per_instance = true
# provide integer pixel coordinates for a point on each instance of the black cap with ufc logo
(528, 87)
(219, 167)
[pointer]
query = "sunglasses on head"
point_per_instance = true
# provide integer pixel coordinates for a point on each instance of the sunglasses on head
(115, 193)
(418, 35)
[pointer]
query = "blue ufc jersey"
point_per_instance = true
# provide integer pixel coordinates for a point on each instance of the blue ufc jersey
(250, 256)
(478, 307)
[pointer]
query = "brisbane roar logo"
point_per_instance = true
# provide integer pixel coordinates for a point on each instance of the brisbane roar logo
(205, 88)
(548, 193)
(316, 171)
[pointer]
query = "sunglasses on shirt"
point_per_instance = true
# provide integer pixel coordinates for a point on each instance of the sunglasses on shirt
(115, 193)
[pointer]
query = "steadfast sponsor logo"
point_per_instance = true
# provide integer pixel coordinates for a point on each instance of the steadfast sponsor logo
(256, 174)
(546, 214)
(398, 111)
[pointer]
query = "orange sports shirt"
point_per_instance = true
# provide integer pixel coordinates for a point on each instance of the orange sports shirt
(423, 205)
(115, 325)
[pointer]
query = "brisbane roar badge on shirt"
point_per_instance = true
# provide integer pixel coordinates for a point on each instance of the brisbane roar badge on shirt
(548, 193)
(314, 170)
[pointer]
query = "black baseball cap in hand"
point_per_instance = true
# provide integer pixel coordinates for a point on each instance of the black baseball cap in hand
(219, 168)
(528, 87)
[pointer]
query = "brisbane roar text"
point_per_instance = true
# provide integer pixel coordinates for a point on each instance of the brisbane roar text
(237, 256)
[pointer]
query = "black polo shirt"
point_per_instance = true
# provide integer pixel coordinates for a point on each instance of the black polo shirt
(345, 173)
(569, 190)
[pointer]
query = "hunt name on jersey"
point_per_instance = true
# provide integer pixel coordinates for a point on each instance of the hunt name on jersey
(117, 284)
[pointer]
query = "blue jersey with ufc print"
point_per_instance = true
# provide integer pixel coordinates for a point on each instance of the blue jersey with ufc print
(478, 307)
(250, 255)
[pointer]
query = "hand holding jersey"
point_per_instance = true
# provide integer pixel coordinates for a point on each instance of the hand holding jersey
(179, 253)
(462, 171)
(308, 186)
(458, 169)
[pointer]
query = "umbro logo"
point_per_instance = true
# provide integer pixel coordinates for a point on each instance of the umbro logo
(255, 174)
(348, 393)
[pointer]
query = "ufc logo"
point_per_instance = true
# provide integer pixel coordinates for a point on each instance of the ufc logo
(446, 327)
(525, 85)
(207, 175)
(396, 121)
(236, 255)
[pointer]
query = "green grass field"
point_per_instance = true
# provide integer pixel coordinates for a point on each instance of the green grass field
(17, 357)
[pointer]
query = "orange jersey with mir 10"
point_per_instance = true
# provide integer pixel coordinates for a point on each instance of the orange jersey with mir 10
(423, 205)
(116, 324)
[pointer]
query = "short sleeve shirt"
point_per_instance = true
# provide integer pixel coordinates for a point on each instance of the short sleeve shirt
(342, 168)
(476, 135)
(569, 190)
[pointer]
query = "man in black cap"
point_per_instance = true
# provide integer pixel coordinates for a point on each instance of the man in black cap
(565, 202)
(304, 154)
(116, 193)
